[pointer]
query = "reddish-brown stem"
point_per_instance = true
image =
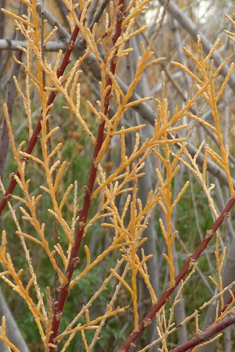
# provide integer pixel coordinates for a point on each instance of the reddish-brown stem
(73, 259)
(206, 335)
(166, 295)
(228, 303)
(34, 138)
(231, 299)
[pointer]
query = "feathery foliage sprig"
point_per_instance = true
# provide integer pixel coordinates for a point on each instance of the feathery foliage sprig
(72, 205)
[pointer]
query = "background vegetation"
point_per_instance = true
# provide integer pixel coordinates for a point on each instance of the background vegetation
(117, 164)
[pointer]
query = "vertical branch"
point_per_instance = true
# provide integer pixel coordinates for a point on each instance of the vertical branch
(42, 42)
(2, 23)
(55, 228)
(73, 259)
(12, 330)
(10, 97)
(98, 13)
(34, 138)
(63, 11)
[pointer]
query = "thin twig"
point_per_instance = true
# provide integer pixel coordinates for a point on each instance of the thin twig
(206, 336)
(73, 259)
(188, 265)
(34, 138)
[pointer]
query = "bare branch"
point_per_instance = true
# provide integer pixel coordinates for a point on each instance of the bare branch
(7, 44)
(207, 335)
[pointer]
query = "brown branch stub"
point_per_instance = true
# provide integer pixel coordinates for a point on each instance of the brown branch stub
(54, 303)
(8, 197)
(71, 45)
(76, 261)
(81, 225)
(57, 288)
(192, 262)
(120, 16)
(24, 159)
(86, 191)
(147, 322)
(227, 215)
(58, 316)
(209, 234)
